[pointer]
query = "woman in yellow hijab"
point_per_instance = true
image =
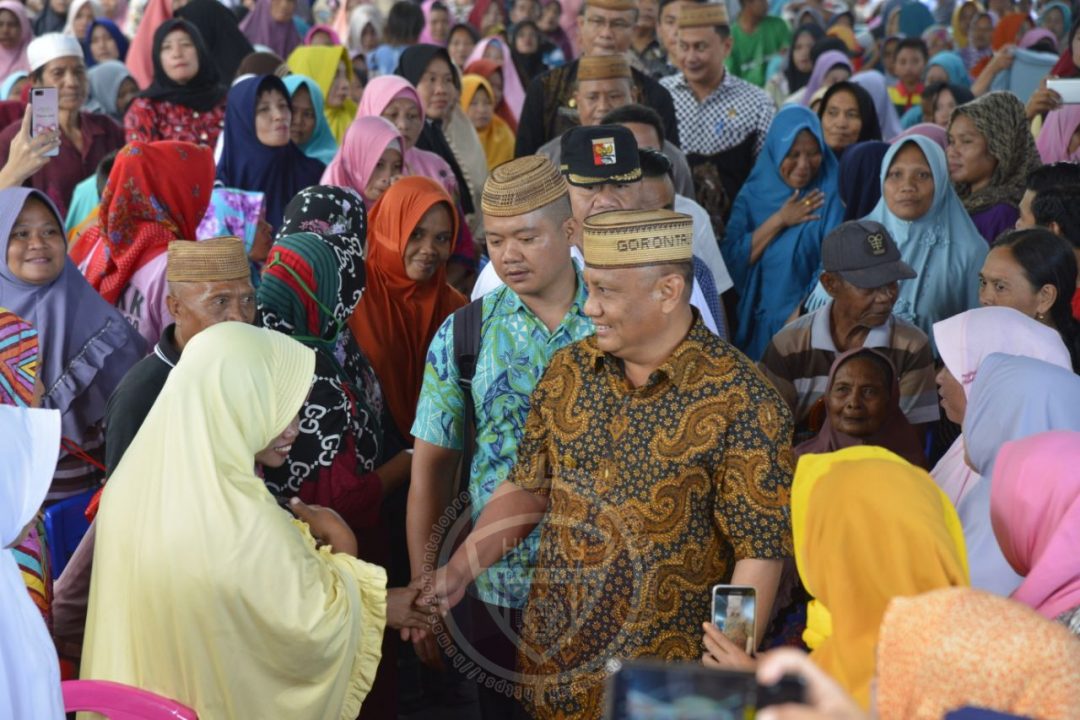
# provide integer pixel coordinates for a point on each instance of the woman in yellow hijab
(329, 66)
(204, 590)
(961, 20)
(868, 527)
(478, 104)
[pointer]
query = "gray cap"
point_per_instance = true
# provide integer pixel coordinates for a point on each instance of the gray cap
(863, 253)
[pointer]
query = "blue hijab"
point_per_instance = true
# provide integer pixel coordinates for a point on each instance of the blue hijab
(952, 64)
(943, 246)
(247, 164)
(118, 37)
(859, 166)
(322, 146)
(1066, 14)
(771, 288)
(915, 18)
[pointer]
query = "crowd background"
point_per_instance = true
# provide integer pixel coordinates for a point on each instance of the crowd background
(867, 339)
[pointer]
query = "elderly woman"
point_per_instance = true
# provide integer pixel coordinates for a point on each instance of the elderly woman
(785, 208)
(369, 159)
(847, 117)
(990, 154)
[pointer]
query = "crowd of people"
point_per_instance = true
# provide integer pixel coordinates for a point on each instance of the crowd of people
(431, 356)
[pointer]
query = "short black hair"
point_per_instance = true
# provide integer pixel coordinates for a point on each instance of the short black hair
(960, 94)
(103, 169)
(636, 113)
(914, 43)
(654, 163)
(404, 23)
(1054, 175)
(1059, 205)
(438, 5)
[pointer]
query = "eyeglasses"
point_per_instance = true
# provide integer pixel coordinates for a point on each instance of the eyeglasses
(599, 23)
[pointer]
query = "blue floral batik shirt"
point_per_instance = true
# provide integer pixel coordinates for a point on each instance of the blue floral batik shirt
(515, 348)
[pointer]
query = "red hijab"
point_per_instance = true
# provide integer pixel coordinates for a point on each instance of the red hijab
(398, 317)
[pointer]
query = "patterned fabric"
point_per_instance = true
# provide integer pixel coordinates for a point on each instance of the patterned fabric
(32, 557)
(19, 358)
(143, 209)
(515, 348)
(232, 212)
(151, 120)
(654, 493)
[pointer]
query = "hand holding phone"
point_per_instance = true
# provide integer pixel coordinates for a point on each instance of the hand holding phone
(45, 115)
(734, 612)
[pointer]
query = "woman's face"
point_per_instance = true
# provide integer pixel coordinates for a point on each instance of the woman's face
(1054, 21)
(339, 88)
(460, 47)
(369, 38)
(277, 450)
(273, 119)
(125, 94)
(951, 392)
(10, 30)
(549, 17)
(527, 40)
(436, 88)
(282, 10)
(982, 31)
(944, 104)
(858, 400)
(406, 117)
(429, 245)
(936, 74)
(82, 20)
(1002, 281)
(909, 184)
(800, 53)
(481, 109)
(102, 45)
(835, 75)
(966, 13)
(970, 162)
(439, 25)
(179, 57)
(36, 248)
(841, 122)
(303, 123)
(800, 166)
(386, 171)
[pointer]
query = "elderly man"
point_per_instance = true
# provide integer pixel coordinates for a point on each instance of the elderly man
(863, 270)
(209, 283)
(605, 28)
(83, 138)
(658, 460)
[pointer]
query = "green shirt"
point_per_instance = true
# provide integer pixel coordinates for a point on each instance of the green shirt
(750, 54)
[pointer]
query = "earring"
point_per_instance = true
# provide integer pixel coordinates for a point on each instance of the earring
(1040, 316)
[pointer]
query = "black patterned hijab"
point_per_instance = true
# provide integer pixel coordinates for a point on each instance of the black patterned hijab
(312, 282)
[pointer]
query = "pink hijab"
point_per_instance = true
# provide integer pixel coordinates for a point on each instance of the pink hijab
(15, 60)
(1035, 509)
(1057, 131)
(964, 341)
(365, 141)
(928, 130)
(425, 34)
(140, 60)
(382, 91)
(513, 91)
(335, 37)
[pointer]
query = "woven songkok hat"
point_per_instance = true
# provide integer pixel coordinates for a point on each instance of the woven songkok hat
(633, 238)
(703, 15)
(212, 260)
(603, 67)
(522, 185)
(612, 4)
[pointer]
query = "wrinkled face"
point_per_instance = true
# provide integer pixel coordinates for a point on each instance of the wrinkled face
(841, 121)
(282, 10)
(276, 453)
(68, 75)
(430, 244)
(858, 400)
(981, 33)
(37, 248)
(909, 184)
(481, 109)
(528, 251)
(179, 58)
(82, 20)
(951, 392)
(605, 32)
(302, 126)
(624, 309)
(386, 171)
(406, 117)
(125, 94)
(1027, 218)
(970, 161)
(800, 53)
(102, 45)
(460, 47)
(439, 25)
(1002, 281)
(909, 66)
(273, 119)
(588, 201)
(196, 306)
(868, 307)
(10, 30)
(596, 98)
(944, 104)
(702, 54)
(801, 164)
(527, 40)
(436, 88)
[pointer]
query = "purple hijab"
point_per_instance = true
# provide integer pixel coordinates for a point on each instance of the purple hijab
(822, 66)
(261, 29)
(86, 344)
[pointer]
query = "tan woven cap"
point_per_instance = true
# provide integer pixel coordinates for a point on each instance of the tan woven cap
(612, 4)
(703, 15)
(603, 67)
(632, 238)
(213, 260)
(522, 185)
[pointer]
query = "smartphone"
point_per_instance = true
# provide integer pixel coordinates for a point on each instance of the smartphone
(44, 113)
(1068, 89)
(734, 611)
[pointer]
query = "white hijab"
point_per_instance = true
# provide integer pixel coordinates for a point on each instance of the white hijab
(29, 669)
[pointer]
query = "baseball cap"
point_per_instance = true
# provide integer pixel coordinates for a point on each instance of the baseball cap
(863, 253)
(600, 154)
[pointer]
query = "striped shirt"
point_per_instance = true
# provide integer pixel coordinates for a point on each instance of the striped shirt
(798, 358)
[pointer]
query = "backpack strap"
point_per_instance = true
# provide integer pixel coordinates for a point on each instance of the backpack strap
(467, 323)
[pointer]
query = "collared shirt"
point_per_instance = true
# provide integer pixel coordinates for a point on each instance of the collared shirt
(655, 492)
(732, 112)
(515, 348)
(798, 359)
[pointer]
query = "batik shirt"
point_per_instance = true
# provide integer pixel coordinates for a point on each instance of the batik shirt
(515, 347)
(655, 492)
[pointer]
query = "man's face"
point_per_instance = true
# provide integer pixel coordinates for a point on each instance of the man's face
(529, 251)
(669, 26)
(702, 53)
(648, 10)
(625, 308)
(588, 201)
(1026, 219)
(596, 98)
(605, 32)
(866, 307)
(198, 305)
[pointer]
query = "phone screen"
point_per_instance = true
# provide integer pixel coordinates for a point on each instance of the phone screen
(44, 113)
(734, 611)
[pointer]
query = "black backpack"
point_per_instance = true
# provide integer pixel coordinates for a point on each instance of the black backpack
(467, 322)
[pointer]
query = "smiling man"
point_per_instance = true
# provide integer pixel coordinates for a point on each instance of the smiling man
(863, 270)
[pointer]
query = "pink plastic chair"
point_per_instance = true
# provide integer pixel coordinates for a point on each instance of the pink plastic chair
(121, 702)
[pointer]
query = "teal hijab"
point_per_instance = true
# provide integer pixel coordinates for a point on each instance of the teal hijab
(1066, 13)
(951, 63)
(322, 146)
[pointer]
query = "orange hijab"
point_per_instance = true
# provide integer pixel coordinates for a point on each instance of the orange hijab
(398, 317)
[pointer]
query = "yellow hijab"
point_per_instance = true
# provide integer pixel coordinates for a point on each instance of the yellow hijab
(960, 33)
(497, 138)
(204, 590)
(868, 526)
(320, 63)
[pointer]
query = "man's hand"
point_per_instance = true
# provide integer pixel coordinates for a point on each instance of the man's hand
(402, 613)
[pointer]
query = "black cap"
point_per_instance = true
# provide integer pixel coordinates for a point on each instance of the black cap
(863, 253)
(600, 154)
